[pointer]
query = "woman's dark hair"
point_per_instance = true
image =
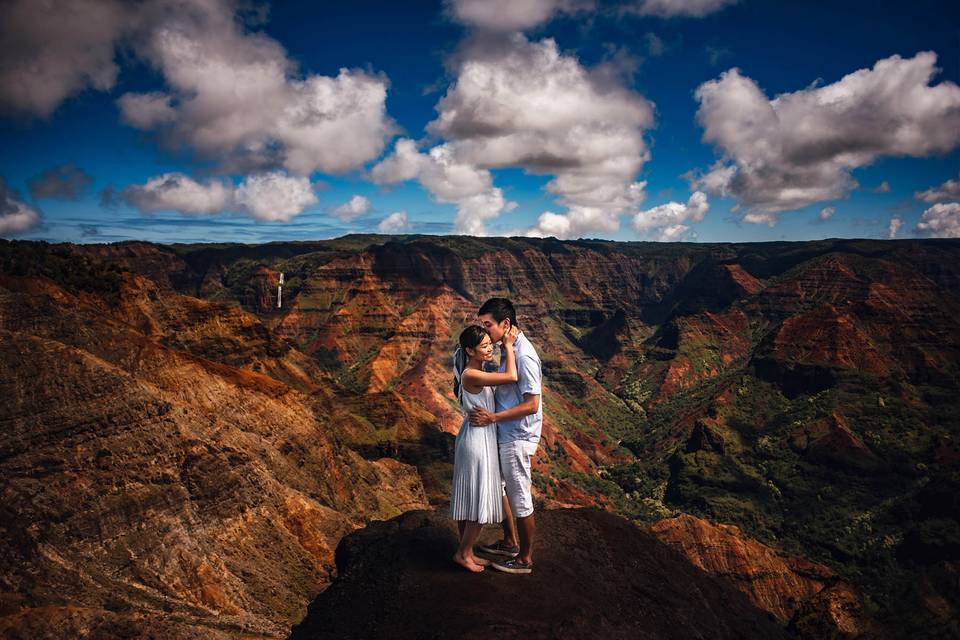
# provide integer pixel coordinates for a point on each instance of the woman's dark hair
(499, 308)
(470, 338)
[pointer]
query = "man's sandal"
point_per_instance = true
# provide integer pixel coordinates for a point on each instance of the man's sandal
(512, 566)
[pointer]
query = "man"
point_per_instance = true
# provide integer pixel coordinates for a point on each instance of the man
(519, 418)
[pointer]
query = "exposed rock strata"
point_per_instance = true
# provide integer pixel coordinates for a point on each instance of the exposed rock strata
(805, 391)
(786, 585)
(141, 480)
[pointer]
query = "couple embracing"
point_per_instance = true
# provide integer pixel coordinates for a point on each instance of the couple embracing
(503, 417)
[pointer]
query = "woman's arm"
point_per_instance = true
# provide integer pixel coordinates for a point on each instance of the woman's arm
(475, 378)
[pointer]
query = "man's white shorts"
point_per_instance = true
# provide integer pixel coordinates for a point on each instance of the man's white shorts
(515, 470)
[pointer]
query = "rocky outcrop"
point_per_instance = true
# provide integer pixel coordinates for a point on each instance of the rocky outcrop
(595, 576)
(835, 612)
(828, 335)
(831, 441)
(712, 285)
(788, 586)
(706, 345)
(871, 315)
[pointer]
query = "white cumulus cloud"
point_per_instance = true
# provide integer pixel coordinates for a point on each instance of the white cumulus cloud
(54, 49)
(234, 95)
(519, 15)
(942, 220)
(949, 190)
(352, 208)
(15, 215)
(268, 197)
(146, 110)
(178, 192)
(448, 181)
(800, 148)
(274, 196)
(231, 94)
(511, 15)
(396, 222)
(678, 8)
(517, 103)
(761, 217)
(672, 220)
(826, 213)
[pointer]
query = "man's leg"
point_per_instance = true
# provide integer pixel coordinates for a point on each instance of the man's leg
(516, 467)
(508, 546)
(509, 525)
(526, 538)
(525, 520)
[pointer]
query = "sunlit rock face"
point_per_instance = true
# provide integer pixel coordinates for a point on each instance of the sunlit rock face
(166, 461)
(178, 439)
(788, 586)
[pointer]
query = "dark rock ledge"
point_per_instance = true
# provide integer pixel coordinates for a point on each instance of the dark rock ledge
(596, 576)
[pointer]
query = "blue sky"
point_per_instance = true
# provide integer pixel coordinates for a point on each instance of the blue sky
(861, 148)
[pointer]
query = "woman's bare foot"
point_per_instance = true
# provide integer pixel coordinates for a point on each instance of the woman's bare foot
(483, 562)
(466, 563)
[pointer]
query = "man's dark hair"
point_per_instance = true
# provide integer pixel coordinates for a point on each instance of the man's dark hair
(499, 308)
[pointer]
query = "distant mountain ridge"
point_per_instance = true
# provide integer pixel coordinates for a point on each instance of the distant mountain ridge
(805, 392)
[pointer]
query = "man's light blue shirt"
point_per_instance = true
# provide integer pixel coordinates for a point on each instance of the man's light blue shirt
(508, 396)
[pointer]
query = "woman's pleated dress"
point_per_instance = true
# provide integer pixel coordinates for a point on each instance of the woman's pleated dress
(476, 492)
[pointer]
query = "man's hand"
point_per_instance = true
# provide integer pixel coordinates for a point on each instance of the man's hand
(480, 417)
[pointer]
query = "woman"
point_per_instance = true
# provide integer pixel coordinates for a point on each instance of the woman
(476, 496)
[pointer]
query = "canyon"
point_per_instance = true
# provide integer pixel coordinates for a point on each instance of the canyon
(181, 456)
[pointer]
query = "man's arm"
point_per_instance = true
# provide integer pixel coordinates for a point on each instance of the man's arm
(480, 417)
